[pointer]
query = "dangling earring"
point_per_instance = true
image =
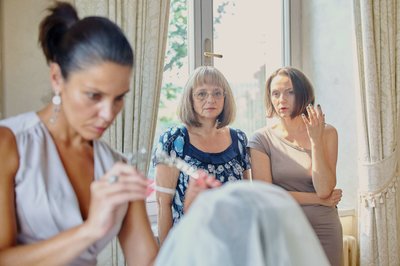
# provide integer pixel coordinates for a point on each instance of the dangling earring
(56, 100)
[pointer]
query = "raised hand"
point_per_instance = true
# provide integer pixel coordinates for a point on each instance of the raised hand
(119, 186)
(315, 123)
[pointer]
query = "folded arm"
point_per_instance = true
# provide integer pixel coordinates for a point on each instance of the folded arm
(261, 170)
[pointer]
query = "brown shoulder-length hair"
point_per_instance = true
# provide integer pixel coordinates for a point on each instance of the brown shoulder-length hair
(303, 91)
(211, 76)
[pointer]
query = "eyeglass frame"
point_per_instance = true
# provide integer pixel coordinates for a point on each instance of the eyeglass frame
(197, 97)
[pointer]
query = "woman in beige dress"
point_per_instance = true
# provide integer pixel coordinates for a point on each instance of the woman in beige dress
(299, 154)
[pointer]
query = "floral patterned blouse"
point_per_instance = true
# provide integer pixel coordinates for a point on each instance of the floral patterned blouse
(226, 166)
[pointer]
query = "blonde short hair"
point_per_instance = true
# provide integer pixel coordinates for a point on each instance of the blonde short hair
(211, 76)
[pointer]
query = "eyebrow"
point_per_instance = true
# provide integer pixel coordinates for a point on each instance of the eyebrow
(272, 90)
(95, 90)
(213, 89)
(125, 92)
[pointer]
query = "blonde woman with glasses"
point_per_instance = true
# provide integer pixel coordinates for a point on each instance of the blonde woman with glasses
(204, 141)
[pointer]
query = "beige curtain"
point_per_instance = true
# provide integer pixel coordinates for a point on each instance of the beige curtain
(378, 43)
(145, 23)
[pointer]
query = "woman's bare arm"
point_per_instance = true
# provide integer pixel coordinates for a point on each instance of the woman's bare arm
(166, 177)
(261, 170)
(136, 237)
(324, 150)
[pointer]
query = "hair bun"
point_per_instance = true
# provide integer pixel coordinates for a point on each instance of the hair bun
(53, 27)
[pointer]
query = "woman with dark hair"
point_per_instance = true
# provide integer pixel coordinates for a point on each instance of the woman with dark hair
(299, 154)
(205, 141)
(65, 194)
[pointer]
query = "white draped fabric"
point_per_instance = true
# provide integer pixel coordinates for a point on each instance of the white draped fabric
(378, 45)
(243, 224)
(145, 23)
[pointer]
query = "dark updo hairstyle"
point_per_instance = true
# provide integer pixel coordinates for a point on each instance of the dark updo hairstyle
(76, 44)
(303, 91)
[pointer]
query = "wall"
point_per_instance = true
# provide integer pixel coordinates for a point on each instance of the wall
(24, 80)
(323, 45)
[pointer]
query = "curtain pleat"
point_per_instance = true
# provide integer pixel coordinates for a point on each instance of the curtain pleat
(378, 48)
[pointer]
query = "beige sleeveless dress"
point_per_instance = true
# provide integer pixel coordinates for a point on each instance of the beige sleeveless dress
(46, 203)
(290, 167)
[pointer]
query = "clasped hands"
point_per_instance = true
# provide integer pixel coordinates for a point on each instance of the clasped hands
(334, 198)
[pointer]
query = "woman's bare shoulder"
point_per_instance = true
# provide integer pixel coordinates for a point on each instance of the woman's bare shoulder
(8, 151)
(330, 130)
(6, 137)
(330, 135)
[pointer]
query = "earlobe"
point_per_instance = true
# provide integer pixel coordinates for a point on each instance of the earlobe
(56, 77)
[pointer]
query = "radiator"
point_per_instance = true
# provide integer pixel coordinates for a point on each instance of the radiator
(350, 250)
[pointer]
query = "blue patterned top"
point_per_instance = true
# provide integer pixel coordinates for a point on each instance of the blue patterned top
(226, 166)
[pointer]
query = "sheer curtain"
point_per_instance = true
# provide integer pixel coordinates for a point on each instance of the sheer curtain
(378, 44)
(145, 23)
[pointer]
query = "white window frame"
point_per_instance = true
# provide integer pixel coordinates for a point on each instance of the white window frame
(200, 30)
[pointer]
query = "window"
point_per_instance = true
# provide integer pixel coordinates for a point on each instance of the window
(248, 55)
(251, 51)
(249, 35)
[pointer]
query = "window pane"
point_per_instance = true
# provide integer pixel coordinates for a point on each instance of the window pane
(249, 36)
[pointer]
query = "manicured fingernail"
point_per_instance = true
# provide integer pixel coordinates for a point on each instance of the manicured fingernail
(150, 182)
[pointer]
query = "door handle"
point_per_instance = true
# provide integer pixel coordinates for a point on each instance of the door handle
(209, 54)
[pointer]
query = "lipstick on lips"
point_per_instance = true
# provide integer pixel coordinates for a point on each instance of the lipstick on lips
(100, 129)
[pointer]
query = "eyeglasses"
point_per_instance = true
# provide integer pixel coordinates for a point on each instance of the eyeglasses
(203, 95)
